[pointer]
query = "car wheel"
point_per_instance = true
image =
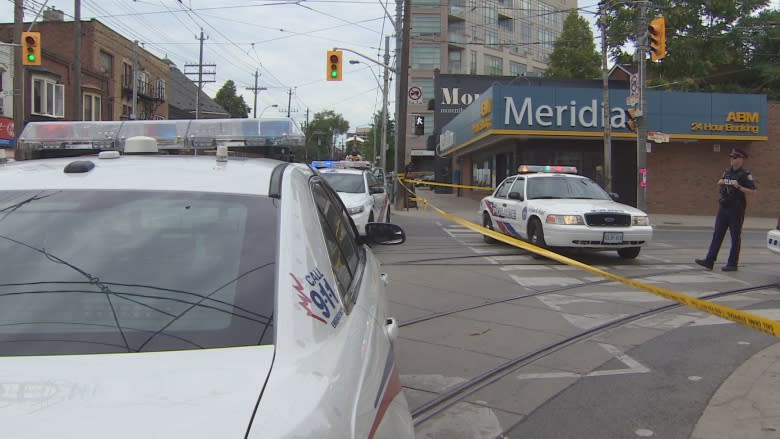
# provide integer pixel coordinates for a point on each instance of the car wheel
(628, 252)
(488, 224)
(536, 236)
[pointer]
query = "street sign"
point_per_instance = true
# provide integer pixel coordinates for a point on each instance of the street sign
(415, 93)
(657, 137)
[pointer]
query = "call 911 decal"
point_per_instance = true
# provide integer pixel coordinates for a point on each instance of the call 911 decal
(318, 299)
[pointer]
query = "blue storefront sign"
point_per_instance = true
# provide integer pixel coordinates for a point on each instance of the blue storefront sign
(577, 112)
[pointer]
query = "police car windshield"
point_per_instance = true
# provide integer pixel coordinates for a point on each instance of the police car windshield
(87, 271)
(552, 187)
(344, 182)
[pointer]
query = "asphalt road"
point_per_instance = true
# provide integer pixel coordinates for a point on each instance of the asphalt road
(651, 377)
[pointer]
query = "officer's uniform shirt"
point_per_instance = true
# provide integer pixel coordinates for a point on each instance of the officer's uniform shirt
(730, 196)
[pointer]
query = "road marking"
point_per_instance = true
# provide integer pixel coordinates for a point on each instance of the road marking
(544, 281)
(633, 367)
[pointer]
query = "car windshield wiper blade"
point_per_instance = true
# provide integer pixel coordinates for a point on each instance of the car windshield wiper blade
(92, 280)
(208, 296)
(546, 197)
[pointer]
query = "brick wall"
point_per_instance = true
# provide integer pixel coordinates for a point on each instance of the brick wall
(683, 177)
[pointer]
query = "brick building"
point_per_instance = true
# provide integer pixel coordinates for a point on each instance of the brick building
(106, 74)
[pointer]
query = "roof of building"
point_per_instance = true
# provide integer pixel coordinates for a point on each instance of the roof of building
(181, 95)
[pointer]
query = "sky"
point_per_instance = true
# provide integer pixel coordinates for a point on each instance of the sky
(284, 41)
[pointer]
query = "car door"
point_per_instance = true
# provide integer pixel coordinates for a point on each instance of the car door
(377, 190)
(503, 215)
(517, 203)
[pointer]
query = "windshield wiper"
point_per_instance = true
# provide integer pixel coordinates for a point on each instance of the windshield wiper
(546, 197)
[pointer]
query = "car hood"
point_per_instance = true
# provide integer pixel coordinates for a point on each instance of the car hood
(566, 207)
(352, 200)
(193, 394)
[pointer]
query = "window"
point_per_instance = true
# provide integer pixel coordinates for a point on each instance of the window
(473, 63)
(127, 75)
(160, 89)
(48, 98)
(491, 14)
(426, 25)
(91, 106)
(493, 65)
(519, 186)
(426, 57)
(435, 3)
(426, 84)
(143, 84)
(455, 61)
(105, 63)
(504, 188)
(517, 69)
(340, 239)
(491, 39)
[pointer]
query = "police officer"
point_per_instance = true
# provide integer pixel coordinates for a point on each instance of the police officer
(734, 185)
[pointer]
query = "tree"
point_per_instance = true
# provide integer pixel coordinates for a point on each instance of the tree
(322, 132)
(232, 103)
(707, 46)
(373, 143)
(574, 54)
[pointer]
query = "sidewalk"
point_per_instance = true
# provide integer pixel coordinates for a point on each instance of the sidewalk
(467, 208)
(747, 403)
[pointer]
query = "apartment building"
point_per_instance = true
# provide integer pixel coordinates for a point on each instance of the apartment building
(473, 37)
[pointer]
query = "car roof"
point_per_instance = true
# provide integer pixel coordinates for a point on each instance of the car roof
(342, 171)
(175, 173)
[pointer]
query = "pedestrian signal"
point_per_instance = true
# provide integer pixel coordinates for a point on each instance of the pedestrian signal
(419, 125)
(657, 35)
(333, 63)
(31, 48)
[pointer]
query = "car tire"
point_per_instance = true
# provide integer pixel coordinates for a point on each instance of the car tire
(488, 224)
(628, 252)
(536, 236)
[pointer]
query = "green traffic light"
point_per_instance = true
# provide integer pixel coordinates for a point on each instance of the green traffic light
(334, 74)
(31, 57)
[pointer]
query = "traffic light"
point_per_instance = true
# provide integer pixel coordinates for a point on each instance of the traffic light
(334, 60)
(31, 48)
(657, 35)
(419, 125)
(631, 115)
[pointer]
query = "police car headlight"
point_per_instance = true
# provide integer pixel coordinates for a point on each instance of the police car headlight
(565, 220)
(640, 221)
(354, 210)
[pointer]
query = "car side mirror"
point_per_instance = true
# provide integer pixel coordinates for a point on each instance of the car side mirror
(376, 190)
(384, 233)
(515, 196)
(614, 196)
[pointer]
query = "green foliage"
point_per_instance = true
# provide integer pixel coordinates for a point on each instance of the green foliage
(322, 132)
(371, 148)
(233, 104)
(574, 55)
(711, 45)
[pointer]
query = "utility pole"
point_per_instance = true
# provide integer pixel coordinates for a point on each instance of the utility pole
(76, 75)
(606, 120)
(18, 87)
(641, 135)
(289, 101)
(383, 158)
(402, 104)
(255, 89)
(200, 73)
(135, 78)
(398, 48)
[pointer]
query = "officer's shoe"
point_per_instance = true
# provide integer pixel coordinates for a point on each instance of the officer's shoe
(706, 264)
(729, 268)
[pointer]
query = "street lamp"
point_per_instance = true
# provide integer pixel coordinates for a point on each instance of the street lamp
(270, 106)
(383, 148)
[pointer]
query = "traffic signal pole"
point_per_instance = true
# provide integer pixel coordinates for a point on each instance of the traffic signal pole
(383, 149)
(641, 134)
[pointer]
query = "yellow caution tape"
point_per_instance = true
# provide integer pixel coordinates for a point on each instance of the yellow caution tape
(462, 186)
(749, 320)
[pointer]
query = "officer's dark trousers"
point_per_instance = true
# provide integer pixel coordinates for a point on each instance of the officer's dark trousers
(730, 218)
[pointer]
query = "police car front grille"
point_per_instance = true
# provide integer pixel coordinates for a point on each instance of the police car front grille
(608, 219)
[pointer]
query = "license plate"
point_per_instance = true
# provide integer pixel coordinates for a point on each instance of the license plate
(613, 238)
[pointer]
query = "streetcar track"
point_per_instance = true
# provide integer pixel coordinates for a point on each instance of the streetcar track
(458, 393)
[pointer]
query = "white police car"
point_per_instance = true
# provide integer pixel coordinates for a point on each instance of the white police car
(551, 207)
(364, 195)
(198, 297)
(773, 239)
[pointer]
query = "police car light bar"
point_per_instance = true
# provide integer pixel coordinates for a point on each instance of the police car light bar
(527, 169)
(340, 164)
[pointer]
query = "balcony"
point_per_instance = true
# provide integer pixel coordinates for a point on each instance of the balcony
(456, 40)
(144, 89)
(457, 13)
